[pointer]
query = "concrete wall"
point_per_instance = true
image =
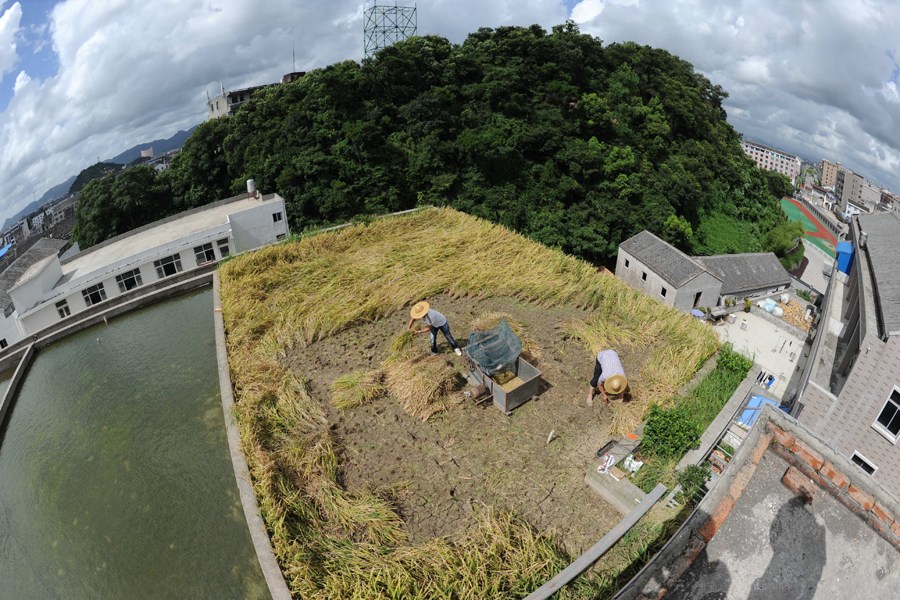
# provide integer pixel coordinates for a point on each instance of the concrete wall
(29, 293)
(709, 288)
(846, 420)
(681, 298)
(255, 227)
(634, 273)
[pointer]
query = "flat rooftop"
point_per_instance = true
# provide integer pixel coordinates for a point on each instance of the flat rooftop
(788, 518)
(883, 231)
(778, 350)
(156, 234)
(775, 546)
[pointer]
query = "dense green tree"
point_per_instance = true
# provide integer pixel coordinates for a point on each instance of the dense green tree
(576, 145)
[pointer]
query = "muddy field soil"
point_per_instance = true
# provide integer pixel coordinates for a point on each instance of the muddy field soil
(470, 455)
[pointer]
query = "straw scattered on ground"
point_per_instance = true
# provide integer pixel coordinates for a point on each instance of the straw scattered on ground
(333, 543)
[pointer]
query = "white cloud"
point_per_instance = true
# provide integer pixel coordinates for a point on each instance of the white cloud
(812, 77)
(22, 79)
(587, 10)
(9, 27)
(132, 71)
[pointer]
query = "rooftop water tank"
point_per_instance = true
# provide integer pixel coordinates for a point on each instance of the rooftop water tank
(845, 257)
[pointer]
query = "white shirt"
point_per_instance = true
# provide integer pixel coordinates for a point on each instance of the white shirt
(434, 319)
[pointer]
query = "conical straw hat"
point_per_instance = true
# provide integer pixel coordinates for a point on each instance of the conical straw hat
(615, 385)
(419, 310)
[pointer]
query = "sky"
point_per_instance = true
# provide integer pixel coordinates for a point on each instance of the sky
(87, 79)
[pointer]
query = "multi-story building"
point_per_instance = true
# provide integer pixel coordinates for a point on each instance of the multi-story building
(227, 102)
(849, 392)
(773, 160)
(46, 289)
(856, 194)
(828, 173)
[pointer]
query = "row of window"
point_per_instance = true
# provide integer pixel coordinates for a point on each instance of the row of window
(129, 280)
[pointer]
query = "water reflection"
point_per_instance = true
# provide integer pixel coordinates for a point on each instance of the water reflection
(115, 479)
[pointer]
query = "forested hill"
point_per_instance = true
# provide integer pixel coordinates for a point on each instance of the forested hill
(575, 144)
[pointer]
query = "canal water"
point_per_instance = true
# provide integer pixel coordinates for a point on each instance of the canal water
(115, 476)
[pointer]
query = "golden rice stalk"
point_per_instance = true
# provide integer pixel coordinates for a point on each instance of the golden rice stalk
(356, 388)
(402, 342)
(420, 383)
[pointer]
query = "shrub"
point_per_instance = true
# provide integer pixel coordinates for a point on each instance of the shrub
(804, 294)
(669, 432)
(692, 478)
(734, 361)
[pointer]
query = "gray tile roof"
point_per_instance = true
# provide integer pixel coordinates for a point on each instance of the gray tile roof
(883, 231)
(39, 251)
(746, 272)
(665, 260)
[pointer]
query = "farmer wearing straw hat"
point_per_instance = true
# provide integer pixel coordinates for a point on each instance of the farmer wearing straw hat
(609, 375)
(435, 322)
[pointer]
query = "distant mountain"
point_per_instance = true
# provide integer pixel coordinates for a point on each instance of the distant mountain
(159, 147)
(57, 191)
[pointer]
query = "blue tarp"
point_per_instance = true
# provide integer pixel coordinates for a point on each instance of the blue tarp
(4, 250)
(754, 406)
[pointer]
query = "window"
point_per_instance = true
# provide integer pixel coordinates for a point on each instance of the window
(276, 217)
(627, 263)
(888, 422)
(204, 254)
(3, 344)
(224, 250)
(643, 275)
(63, 309)
(280, 236)
(94, 294)
(663, 293)
(168, 266)
(864, 464)
(129, 280)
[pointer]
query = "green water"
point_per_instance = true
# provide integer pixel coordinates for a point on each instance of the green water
(115, 477)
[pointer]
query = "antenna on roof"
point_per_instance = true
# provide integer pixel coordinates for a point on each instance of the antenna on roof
(293, 58)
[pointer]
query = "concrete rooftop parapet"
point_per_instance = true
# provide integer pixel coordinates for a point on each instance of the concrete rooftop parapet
(831, 529)
(258, 533)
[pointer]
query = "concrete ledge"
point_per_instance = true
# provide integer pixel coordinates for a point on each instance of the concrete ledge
(136, 298)
(13, 386)
(258, 533)
(722, 421)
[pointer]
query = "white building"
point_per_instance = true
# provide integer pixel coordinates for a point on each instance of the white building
(771, 159)
(51, 290)
(664, 272)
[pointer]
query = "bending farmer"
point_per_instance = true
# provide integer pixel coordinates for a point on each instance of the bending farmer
(609, 375)
(435, 322)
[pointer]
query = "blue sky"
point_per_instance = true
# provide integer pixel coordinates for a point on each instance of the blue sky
(34, 45)
(86, 78)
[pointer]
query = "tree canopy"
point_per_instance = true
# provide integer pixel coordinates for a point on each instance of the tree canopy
(574, 144)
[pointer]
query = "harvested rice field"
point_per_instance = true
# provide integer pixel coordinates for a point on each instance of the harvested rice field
(375, 475)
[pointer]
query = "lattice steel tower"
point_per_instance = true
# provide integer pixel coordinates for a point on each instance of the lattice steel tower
(385, 25)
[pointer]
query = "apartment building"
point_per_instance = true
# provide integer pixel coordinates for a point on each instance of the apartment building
(856, 194)
(828, 173)
(771, 159)
(850, 389)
